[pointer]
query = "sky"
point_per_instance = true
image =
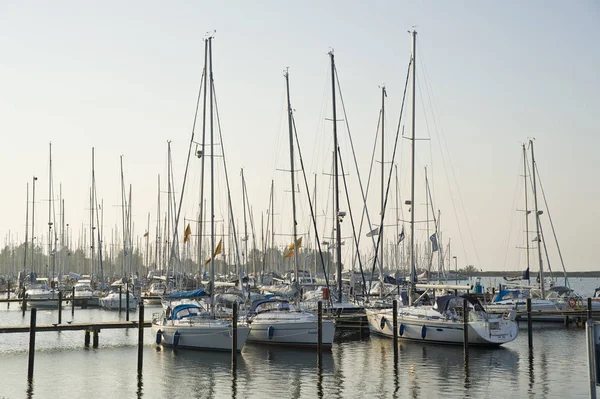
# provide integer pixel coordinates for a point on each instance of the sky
(123, 77)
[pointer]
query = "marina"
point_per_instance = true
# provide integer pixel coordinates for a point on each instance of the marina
(298, 200)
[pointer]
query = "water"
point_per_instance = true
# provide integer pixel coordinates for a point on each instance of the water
(557, 367)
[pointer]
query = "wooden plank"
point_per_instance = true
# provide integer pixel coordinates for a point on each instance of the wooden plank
(74, 327)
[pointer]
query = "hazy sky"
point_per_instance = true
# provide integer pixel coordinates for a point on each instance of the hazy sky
(123, 77)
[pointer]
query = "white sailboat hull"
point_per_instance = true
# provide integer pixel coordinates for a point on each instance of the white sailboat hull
(111, 302)
(290, 332)
(209, 335)
(495, 332)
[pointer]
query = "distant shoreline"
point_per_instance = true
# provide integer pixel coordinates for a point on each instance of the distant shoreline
(533, 274)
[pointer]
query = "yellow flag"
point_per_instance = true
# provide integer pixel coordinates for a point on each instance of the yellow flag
(290, 249)
(186, 234)
(218, 250)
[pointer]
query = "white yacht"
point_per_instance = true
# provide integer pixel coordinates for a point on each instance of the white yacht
(442, 323)
(188, 324)
(275, 321)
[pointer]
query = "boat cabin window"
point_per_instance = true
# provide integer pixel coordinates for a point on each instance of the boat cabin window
(187, 312)
(272, 306)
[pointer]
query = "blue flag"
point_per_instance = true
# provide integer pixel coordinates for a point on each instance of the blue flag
(401, 236)
(434, 243)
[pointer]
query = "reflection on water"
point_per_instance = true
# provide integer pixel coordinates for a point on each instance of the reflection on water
(556, 367)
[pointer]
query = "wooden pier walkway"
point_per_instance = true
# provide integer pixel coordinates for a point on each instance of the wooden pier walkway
(104, 325)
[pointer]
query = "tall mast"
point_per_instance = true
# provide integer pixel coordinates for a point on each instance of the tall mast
(381, 241)
(537, 221)
(50, 213)
(33, 228)
(157, 247)
(123, 218)
(245, 239)
(92, 206)
(338, 234)
(212, 186)
(147, 243)
(294, 228)
(412, 169)
(202, 157)
(526, 208)
(26, 233)
(272, 229)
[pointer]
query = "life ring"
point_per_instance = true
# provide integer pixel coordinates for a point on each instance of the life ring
(572, 302)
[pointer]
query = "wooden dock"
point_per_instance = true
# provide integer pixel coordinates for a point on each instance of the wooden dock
(105, 325)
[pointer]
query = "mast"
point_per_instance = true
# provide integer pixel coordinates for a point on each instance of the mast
(212, 186)
(338, 234)
(202, 204)
(123, 218)
(147, 243)
(537, 221)
(526, 208)
(294, 229)
(33, 228)
(272, 230)
(245, 239)
(412, 169)
(26, 234)
(93, 228)
(158, 231)
(50, 214)
(381, 240)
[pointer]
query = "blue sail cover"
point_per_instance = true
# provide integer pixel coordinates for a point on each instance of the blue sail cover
(186, 294)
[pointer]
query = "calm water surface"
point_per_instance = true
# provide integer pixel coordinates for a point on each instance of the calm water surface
(557, 367)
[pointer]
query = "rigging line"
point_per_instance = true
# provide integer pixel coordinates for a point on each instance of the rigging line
(387, 190)
(235, 240)
(362, 191)
(443, 141)
(552, 225)
(354, 235)
(187, 164)
(314, 219)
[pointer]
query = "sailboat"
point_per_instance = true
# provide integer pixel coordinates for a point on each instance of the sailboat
(275, 320)
(186, 322)
(441, 321)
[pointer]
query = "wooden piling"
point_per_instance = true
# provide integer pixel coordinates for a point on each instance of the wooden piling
(319, 326)
(529, 324)
(31, 343)
(120, 298)
(589, 309)
(395, 325)
(96, 339)
(86, 340)
(8, 294)
(234, 335)
(126, 304)
(24, 304)
(73, 301)
(59, 307)
(141, 338)
(466, 325)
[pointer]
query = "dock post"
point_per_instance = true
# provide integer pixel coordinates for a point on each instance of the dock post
(86, 341)
(73, 301)
(529, 324)
(234, 335)
(589, 309)
(395, 326)
(8, 295)
(59, 307)
(120, 298)
(466, 325)
(319, 326)
(127, 304)
(96, 339)
(141, 337)
(31, 343)
(24, 304)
